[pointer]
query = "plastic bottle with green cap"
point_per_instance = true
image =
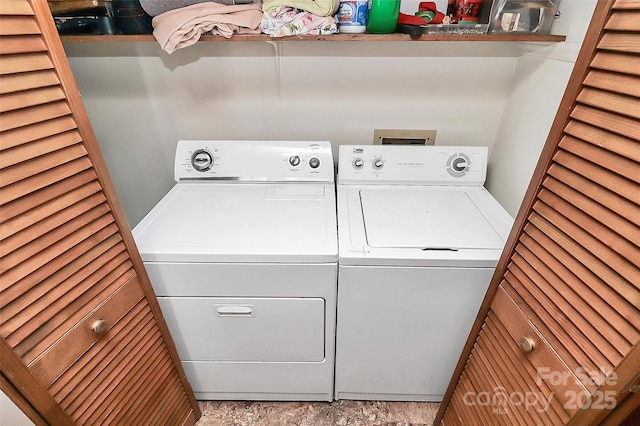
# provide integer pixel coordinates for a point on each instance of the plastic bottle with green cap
(383, 16)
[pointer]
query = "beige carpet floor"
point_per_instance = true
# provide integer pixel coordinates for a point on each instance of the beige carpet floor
(338, 413)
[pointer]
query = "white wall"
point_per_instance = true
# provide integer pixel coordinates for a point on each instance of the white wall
(10, 414)
(539, 82)
(141, 100)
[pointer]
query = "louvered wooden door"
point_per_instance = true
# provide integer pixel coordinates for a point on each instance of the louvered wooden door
(557, 338)
(83, 340)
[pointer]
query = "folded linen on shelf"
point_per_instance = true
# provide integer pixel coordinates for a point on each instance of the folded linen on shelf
(183, 27)
(317, 7)
(285, 21)
(156, 7)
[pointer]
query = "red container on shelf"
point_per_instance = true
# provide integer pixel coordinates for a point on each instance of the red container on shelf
(464, 10)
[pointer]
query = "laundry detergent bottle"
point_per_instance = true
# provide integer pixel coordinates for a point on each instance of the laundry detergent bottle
(383, 16)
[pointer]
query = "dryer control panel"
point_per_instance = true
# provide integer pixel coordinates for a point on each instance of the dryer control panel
(412, 165)
(254, 161)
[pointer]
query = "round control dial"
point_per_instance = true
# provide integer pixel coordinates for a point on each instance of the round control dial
(358, 163)
(201, 160)
(314, 162)
(378, 163)
(458, 165)
(294, 160)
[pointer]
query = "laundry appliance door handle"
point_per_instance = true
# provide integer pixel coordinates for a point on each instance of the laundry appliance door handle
(235, 311)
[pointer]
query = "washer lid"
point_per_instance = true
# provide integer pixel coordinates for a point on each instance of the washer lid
(425, 219)
(204, 222)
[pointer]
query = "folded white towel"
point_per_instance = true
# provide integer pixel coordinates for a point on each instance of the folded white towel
(183, 27)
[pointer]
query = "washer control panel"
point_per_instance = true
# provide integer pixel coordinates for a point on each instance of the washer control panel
(271, 161)
(412, 164)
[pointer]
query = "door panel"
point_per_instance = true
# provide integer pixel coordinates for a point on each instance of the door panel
(564, 305)
(83, 340)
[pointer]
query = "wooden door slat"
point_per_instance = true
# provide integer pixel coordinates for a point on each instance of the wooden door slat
(621, 125)
(94, 219)
(21, 43)
(37, 149)
(24, 62)
(18, 25)
(626, 5)
(45, 210)
(36, 131)
(615, 163)
(621, 21)
(606, 140)
(71, 262)
(48, 226)
(620, 104)
(15, 7)
(613, 82)
(614, 183)
(19, 100)
(590, 227)
(601, 269)
(13, 273)
(612, 201)
(29, 201)
(25, 81)
(622, 42)
(36, 114)
(600, 254)
(42, 164)
(616, 62)
(618, 224)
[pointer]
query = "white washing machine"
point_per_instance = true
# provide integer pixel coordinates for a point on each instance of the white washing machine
(242, 254)
(419, 239)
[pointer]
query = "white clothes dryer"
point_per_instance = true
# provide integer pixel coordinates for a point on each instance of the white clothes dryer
(419, 239)
(242, 255)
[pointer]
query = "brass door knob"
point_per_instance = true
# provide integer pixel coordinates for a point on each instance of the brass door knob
(100, 326)
(527, 344)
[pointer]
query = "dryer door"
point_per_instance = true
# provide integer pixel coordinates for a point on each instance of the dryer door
(261, 329)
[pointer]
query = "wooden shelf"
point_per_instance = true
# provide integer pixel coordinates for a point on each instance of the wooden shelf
(395, 37)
